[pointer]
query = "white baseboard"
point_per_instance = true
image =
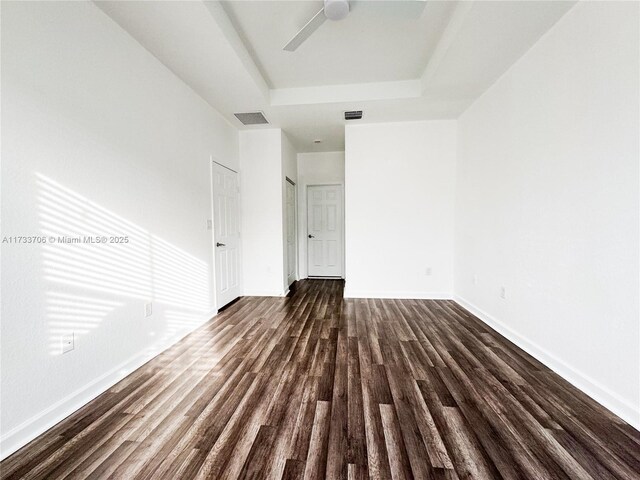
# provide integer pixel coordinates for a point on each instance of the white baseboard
(397, 295)
(19, 436)
(627, 411)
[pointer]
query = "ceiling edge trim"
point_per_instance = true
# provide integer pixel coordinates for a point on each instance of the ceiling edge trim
(355, 92)
(222, 19)
(446, 40)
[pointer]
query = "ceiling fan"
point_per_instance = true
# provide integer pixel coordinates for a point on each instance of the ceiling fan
(339, 9)
(333, 10)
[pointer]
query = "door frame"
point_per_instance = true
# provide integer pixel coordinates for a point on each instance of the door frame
(296, 272)
(214, 292)
(342, 216)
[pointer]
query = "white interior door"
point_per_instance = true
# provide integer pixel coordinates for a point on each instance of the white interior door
(324, 230)
(292, 234)
(226, 235)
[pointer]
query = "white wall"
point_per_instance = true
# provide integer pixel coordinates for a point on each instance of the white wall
(262, 212)
(267, 157)
(98, 138)
(547, 203)
(289, 170)
(399, 190)
(321, 168)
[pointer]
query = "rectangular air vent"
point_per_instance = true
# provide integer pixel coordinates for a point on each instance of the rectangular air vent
(353, 115)
(251, 118)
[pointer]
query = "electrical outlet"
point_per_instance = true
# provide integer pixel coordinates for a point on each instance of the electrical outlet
(148, 309)
(503, 292)
(427, 271)
(68, 343)
(209, 224)
(475, 279)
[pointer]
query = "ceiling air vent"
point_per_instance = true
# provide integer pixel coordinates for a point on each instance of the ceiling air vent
(353, 115)
(251, 118)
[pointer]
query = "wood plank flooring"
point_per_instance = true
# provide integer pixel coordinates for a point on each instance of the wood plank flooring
(314, 386)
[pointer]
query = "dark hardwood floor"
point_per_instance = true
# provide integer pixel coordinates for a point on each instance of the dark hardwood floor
(314, 386)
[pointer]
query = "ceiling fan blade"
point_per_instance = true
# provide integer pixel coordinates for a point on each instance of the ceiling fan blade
(306, 31)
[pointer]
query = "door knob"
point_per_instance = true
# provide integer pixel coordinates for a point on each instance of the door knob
(311, 236)
(218, 244)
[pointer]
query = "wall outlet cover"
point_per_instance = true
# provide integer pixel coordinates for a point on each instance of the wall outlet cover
(148, 309)
(68, 343)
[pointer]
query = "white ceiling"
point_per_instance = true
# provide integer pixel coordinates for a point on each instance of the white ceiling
(379, 41)
(396, 61)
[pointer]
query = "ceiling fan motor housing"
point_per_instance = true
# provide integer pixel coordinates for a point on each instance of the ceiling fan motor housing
(336, 9)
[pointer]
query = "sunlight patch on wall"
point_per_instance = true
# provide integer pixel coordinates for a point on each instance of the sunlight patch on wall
(96, 262)
(67, 314)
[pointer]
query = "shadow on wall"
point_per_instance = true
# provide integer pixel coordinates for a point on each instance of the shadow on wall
(87, 281)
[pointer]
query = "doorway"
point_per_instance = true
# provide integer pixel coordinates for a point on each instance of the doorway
(292, 232)
(324, 231)
(226, 234)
